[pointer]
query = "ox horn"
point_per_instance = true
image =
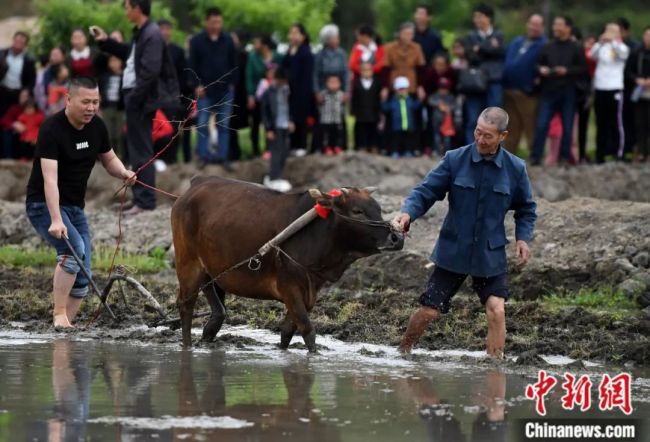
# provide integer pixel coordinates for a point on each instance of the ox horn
(315, 193)
(345, 190)
(370, 189)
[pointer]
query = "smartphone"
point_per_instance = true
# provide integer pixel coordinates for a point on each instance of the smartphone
(94, 31)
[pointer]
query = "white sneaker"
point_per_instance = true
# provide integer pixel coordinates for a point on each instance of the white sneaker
(299, 152)
(279, 184)
(160, 166)
(283, 185)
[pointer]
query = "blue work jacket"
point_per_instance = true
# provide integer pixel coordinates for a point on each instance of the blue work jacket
(480, 192)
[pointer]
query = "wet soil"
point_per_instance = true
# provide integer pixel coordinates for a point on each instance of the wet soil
(369, 315)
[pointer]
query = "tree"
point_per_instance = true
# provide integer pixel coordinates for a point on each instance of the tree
(271, 16)
(58, 18)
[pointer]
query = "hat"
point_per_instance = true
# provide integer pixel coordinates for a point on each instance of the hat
(444, 83)
(401, 83)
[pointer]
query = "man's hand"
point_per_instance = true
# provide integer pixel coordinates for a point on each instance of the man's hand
(292, 127)
(384, 94)
(544, 71)
(199, 92)
(129, 177)
(560, 70)
(402, 221)
(18, 127)
(270, 135)
(421, 93)
(523, 252)
(98, 33)
(58, 229)
(251, 103)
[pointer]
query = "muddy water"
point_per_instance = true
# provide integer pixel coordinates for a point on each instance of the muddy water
(79, 387)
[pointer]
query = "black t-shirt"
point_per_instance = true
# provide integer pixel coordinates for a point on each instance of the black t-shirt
(76, 152)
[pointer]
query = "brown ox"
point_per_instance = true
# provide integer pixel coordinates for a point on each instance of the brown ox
(221, 222)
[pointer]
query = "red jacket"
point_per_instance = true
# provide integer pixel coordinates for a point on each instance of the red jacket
(355, 60)
(32, 123)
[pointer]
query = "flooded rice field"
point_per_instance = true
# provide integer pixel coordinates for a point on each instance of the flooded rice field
(101, 385)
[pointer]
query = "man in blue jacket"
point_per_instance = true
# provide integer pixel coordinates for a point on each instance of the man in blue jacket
(520, 99)
(482, 182)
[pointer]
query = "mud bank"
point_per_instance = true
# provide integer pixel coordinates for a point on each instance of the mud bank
(611, 181)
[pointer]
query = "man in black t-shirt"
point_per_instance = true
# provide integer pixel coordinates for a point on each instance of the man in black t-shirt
(69, 143)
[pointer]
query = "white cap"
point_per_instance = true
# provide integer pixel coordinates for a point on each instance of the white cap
(401, 83)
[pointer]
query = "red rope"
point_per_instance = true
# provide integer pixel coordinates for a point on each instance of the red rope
(155, 189)
(124, 189)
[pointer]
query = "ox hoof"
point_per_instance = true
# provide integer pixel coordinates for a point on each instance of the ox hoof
(207, 338)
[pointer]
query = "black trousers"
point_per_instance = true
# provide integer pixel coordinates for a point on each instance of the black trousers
(299, 136)
(256, 120)
(642, 114)
(583, 124)
(610, 135)
(366, 135)
(332, 135)
(139, 126)
(279, 149)
(403, 141)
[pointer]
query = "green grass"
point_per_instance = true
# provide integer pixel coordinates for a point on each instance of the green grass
(602, 298)
(101, 259)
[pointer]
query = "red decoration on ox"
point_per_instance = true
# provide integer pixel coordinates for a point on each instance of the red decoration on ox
(324, 212)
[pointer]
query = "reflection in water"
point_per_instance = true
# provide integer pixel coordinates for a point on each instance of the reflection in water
(438, 412)
(272, 421)
(72, 390)
(490, 424)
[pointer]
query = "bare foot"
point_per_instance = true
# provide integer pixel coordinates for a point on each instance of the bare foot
(61, 321)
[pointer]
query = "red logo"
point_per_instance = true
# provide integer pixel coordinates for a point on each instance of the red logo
(615, 392)
(539, 390)
(612, 392)
(577, 392)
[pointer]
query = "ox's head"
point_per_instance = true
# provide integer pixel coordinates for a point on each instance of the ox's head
(357, 217)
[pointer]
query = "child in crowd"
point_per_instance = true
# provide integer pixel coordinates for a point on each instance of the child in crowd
(331, 116)
(555, 142)
(262, 87)
(401, 109)
(110, 89)
(9, 138)
(459, 61)
(438, 70)
(161, 134)
(442, 104)
(277, 120)
(366, 108)
(27, 126)
(57, 89)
